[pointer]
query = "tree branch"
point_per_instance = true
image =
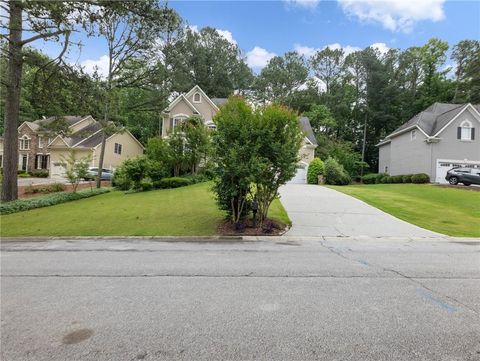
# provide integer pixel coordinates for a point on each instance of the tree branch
(43, 36)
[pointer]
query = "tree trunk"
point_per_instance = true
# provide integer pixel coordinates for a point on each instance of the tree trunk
(364, 143)
(100, 160)
(12, 104)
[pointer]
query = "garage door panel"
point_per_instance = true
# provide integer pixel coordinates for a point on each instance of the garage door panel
(443, 166)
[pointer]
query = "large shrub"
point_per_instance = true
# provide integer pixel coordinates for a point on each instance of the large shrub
(420, 178)
(48, 200)
(173, 182)
(335, 173)
(372, 178)
(121, 180)
(315, 168)
(136, 170)
(254, 153)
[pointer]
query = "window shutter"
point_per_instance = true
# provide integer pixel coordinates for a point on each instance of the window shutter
(459, 133)
(170, 128)
(473, 134)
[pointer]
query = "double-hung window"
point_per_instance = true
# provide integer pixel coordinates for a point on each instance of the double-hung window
(118, 148)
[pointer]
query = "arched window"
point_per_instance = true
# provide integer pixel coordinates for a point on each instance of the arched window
(197, 98)
(24, 143)
(466, 131)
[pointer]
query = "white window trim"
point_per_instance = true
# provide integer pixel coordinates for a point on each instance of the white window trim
(22, 140)
(199, 98)
(413, 134)
(178, 116)
(466, 126)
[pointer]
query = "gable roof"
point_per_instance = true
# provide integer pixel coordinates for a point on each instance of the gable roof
(307, 130)
(197, 88)
(177, 100)
(433, 119)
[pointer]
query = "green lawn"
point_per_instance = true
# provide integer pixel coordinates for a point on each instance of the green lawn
(186, 211)
(455, 212)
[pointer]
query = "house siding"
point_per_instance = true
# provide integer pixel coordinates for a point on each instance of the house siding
(409, 156)
(451, 148)
(82, 124)
(307, 152)
(384, 158)
(180, 108)
(204, 107)
(111, 160)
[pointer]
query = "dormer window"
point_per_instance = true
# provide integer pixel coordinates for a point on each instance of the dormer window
(465, 131)
(413, 135)
(197, 98)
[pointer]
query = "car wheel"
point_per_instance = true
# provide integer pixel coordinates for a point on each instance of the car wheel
(453, 181)
(466, 184)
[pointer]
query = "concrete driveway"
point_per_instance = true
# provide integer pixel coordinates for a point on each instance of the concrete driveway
(320, 211)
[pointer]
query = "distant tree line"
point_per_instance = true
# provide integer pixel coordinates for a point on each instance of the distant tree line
(352, 100)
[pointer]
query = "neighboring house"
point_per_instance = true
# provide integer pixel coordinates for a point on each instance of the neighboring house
(196, 102)
(38, 149)
(441, 137)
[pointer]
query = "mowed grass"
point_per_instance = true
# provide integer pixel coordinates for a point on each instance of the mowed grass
(186, 211)
(454, 212)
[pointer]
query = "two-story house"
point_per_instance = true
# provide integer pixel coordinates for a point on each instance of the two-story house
(39, 149)
(441, 137)
(196, 102)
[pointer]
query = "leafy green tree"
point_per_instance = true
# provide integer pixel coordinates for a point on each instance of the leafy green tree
(197, 142)
(207, 59)
(176, 151)
(334, 173)
(328, 66)
(321, 119)
(278, 142)
(282, 76)
(77, 168)
(467, 58)
(235, 152)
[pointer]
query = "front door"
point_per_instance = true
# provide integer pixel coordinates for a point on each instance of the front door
(23, 164)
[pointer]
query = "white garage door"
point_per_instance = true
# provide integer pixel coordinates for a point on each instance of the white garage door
(58, 170)
(301, 175)
(443, 166)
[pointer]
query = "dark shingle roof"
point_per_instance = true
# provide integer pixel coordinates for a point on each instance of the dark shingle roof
(219, 101)
(83, 134)
(434, 118)
(69, 119)
(307, 129)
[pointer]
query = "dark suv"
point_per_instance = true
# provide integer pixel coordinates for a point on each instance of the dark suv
(466, 176)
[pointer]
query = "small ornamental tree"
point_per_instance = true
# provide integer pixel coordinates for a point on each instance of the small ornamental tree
(279, 140)
(135, 170)
(77, 169)
(235, 152)
(197, 142)
(335, 173)
(315, 168)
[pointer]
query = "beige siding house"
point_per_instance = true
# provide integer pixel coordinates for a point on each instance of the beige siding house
(39, 150)
(196, 102)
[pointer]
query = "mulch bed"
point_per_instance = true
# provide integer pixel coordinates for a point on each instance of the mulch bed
(246, 228)
(467, 188)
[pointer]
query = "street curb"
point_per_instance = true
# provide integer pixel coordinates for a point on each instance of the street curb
(120, 238)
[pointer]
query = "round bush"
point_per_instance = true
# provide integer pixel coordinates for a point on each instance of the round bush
(420, 178)
(335, 173)
(372, 178)
(407, 178)
(315, 168)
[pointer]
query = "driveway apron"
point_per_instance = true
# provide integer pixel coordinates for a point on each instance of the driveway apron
(320, 211)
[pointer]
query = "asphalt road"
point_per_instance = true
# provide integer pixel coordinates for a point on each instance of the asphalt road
(294, 299)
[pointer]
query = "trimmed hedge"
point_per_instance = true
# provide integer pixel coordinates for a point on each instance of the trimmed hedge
(375, 178)
(315, 168)
(48, 188)
(49, 200)
(420, 178)
(173, 182)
